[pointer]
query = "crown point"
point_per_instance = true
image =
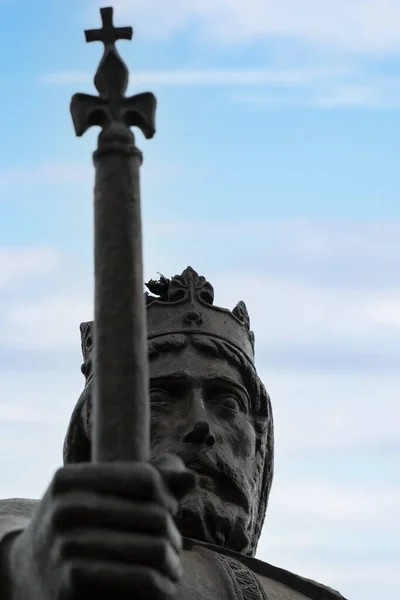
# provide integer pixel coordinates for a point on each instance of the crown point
(184, 305)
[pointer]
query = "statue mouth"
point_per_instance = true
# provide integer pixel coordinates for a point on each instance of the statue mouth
(202, 471)
(205, 473)
(215, 480)
(201, 465)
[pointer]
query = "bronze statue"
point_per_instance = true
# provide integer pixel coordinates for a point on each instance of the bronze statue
(179, 517)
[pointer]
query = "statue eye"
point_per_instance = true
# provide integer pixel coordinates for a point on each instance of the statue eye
(160, 398)
(230, 402)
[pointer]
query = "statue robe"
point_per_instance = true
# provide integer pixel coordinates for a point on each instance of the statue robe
(210, 572)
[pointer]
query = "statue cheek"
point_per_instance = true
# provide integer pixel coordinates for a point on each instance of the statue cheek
(158, 431)
(245, 440)
(163, 430)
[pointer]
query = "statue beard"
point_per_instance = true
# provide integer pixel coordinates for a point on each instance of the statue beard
(205, 517)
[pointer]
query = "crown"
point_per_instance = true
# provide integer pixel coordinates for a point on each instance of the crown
(185, 304)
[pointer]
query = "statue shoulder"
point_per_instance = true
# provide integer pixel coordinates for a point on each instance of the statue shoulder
(275, 579)
(15, 514)
(253, 579)
(18, 506)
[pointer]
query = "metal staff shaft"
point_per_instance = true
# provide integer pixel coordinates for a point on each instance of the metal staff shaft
(121, 405)
(121, 426)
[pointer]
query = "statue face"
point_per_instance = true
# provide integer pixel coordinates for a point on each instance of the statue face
(201, 411)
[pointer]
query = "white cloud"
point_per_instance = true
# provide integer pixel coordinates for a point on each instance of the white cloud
(324, 88)
(360, 26)
(358, 91)
(341, 505)
(67, 173)
(41, 307)
(331, 254)
(322, 412)
(384, 312)
(343, 535)
(315, 313)
(44, 397)
(49, 323)
(207, 77)
(19, 265)
(348, 95)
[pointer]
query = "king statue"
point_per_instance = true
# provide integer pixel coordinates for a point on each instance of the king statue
(168, 457)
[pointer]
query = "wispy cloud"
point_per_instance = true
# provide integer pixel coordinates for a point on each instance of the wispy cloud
(70, 173)
(206, 77)
(324, 87)
(366, 92)
(348, 95)
(50, 323)
(56, 172)
(19, 266)
(341, 534)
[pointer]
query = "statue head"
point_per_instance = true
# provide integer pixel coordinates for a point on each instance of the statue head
(208, 406)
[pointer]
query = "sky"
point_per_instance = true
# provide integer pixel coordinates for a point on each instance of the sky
(274, 173)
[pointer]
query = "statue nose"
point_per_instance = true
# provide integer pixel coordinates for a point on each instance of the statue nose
(200, 434)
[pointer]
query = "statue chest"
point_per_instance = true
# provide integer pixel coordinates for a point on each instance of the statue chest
(210, 576)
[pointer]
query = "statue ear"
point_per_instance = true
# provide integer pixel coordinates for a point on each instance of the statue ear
(86, 330)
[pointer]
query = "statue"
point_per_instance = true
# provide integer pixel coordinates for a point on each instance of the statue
(174, 512)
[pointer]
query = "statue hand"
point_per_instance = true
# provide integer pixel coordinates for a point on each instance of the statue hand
(104, 531)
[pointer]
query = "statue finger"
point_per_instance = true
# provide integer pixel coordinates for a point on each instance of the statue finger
(119, 547)
(104, 580)
(85, 509)
(133, 481)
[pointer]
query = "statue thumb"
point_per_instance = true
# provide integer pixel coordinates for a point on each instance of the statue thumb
(179, 479)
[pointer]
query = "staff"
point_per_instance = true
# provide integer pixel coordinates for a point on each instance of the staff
(121, 427)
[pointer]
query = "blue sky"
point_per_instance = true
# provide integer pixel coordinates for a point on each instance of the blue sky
(274, 172)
